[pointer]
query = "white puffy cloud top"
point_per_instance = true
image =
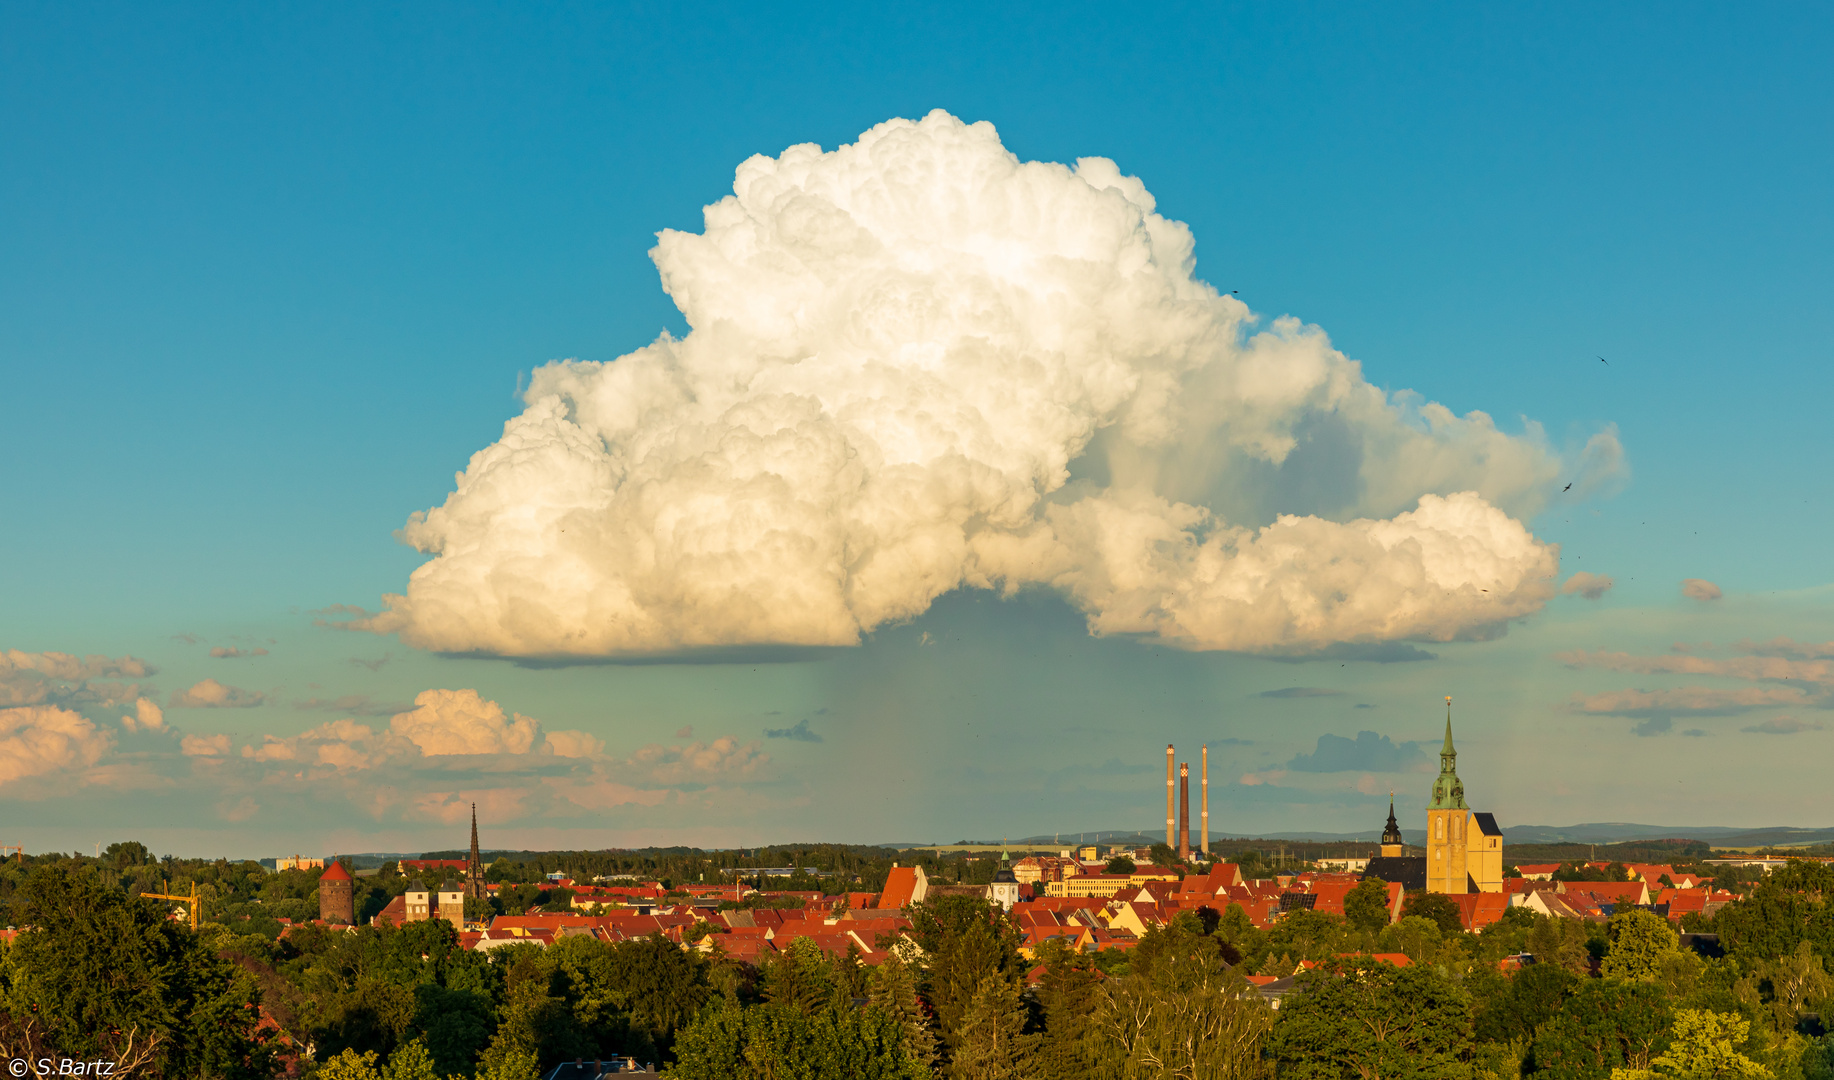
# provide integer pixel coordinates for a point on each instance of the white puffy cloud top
(917, 363)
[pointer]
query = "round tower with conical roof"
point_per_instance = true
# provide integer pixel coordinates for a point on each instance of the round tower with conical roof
(336, 895)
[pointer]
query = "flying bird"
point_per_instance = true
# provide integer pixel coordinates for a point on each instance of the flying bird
(1569, 487)
(1602, 360)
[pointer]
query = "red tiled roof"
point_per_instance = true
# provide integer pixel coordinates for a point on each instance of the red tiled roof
(1480, 909)
(393, 914)
(1330, 896)
(335, 872)
(1615, 892)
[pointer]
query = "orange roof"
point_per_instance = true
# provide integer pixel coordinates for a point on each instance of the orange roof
(899, 885)
(394, 913)
(335, 872)
(1480, 909)
(744, 949)
(1330, 896)
(1620, 892)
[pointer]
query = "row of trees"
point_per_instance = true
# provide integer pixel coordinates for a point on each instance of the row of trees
(101, 973)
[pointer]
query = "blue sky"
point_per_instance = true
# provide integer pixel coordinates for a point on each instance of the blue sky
(272, 276)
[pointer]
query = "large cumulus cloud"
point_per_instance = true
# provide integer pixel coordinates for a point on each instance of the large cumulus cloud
(917, 363)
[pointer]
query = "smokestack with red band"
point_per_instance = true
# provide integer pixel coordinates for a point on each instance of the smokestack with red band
(1204, 783)
(1184, 809)
(1168, 795)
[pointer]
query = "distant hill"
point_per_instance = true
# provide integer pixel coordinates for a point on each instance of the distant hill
(1603, 832)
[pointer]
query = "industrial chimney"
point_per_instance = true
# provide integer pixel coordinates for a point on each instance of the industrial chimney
(1204, 783)
(1184, 809)
(1169, 839)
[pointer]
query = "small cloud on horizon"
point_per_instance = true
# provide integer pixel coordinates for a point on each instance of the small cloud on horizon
(1590, 586)
(1654, 725)
(230, 652)
(354, 705)
(799, 733)
(1700, 589)
(1785, 725)
(210, 694)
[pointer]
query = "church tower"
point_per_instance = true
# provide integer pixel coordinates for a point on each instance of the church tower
(1005, 888)
(474, 868)
(1446, 819)
(1392, 846)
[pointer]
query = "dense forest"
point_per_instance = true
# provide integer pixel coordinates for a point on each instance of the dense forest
(103, 974)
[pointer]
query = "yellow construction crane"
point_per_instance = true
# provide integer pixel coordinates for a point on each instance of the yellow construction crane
(18, 851)
(193, 900)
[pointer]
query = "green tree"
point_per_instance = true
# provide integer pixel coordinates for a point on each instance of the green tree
(454, 1025)
(350, 1065)
(798, 978)
(991, 1043)
(1705, 1047)
(410, 1061)
(1561, 942)
(772, 1042)
(1818, 1059)
(1535, 996)
(1164, 855)
(1189, 1015)
(1073, 1046)
(1420, 939)
(1641, 942)
(1366, 906)
(1769, 924)
(535, 1017)
(658, 985)
(1120, 864)
(507, 1062)
(965, 939)
(1435, 908)
(893, 991)
(99, 968)
(1602, 1026)
(1363, 1017)
(1311, 935)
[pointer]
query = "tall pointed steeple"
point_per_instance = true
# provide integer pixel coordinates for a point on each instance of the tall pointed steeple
(1392, 834)
(474, 867)
(1448, 791)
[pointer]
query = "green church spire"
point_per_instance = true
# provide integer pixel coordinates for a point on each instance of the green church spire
(1448, 792)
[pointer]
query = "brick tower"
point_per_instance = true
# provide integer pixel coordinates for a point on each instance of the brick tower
(335, 895)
